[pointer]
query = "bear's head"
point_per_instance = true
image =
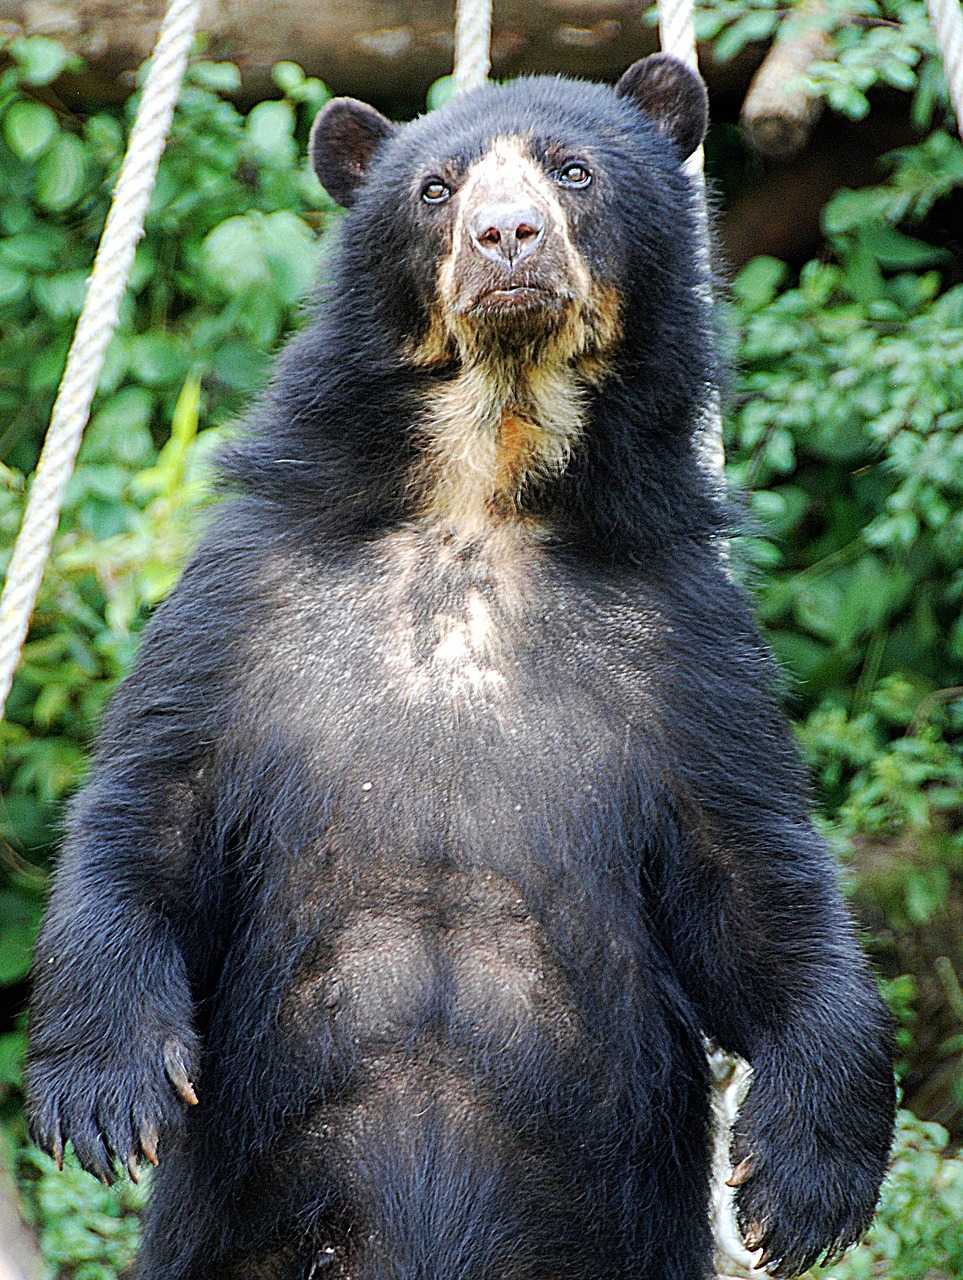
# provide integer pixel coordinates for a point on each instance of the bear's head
(502, 201)
(523, 255)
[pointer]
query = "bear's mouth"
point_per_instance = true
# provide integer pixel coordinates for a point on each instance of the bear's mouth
(515, 298)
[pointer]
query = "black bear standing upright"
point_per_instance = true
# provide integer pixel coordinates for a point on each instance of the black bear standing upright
(449, 807)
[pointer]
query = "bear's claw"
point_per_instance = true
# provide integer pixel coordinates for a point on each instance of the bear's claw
(114, 1114)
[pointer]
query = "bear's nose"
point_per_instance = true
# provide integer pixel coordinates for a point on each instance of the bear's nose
(507, 233)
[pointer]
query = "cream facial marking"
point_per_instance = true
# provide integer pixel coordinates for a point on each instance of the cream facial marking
(508, 173)
(529, 332)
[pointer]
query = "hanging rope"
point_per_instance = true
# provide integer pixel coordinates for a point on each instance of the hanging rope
(95, 328)
(677, 36)
(677, 31)
(947, 19)
(473, 44)
(730, 1075)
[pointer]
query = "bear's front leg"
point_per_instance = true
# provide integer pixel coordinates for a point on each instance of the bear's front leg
(769, 957)
(112, 1050)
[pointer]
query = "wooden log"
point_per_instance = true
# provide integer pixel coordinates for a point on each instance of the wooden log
(383, 50)
(778, 112)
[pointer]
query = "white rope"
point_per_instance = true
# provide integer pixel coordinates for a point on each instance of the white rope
(677, 31)
(95, 328)
(947, 19)
(473, 43)
(677, 36)
(730, 1075)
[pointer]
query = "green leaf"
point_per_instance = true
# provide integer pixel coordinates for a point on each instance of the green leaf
(848, 100)
(62, 174)
(288, 77)
(900, 252)
(119, 430)
(848, 209)
(35, 250)
(15, 952)
(29, 128)
(291, 253)
(241, 366)
(757, 24)
(270, 132)
(440, 91)
(61, 296)
(158, 359)
(13, 286)
(804, 657)
(13, 1049)
(232, 256)
(41, 60)
(104, 136)
(757, 283)
(219, 77)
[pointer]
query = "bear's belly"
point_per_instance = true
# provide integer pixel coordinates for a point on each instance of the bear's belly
(417, 954)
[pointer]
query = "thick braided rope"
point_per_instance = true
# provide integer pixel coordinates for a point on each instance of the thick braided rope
(473, 42)
(947, 19)
(95, 328)
(731, 1076)
(677, 31)
(677, 36)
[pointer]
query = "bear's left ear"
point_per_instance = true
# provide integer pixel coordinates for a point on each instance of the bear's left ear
(672, 95)
(343, 141)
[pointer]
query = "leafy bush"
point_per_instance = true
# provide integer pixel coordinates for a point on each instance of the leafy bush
(86, 1231)
(873, 43)
(227, 255)
(848, 426)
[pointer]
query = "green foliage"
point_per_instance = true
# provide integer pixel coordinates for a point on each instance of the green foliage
(872, 43)
(848, 426)
(440, 91)
(907, 786)
(86, 1231)
(228, 252)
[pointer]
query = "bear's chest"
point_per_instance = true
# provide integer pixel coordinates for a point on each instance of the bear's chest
(431, 688)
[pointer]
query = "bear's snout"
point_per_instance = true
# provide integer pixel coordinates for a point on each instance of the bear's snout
(507, 233)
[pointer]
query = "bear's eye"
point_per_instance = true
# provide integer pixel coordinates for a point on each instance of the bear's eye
(574, 175)
(435, 191)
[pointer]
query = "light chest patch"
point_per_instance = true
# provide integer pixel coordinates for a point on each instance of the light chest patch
(447, 626)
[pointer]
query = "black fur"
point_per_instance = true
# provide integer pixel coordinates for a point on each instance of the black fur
(665, 89)
(440, 966)
(344, 139)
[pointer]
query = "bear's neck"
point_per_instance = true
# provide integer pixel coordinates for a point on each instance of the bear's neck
(492, 438)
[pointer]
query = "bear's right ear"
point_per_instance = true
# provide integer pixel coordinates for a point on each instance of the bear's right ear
(672, 95)
(343, 141)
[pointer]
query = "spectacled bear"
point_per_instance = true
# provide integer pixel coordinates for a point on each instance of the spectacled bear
(449, 807)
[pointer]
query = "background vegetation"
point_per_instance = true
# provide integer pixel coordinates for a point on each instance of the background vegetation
(846, 425)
